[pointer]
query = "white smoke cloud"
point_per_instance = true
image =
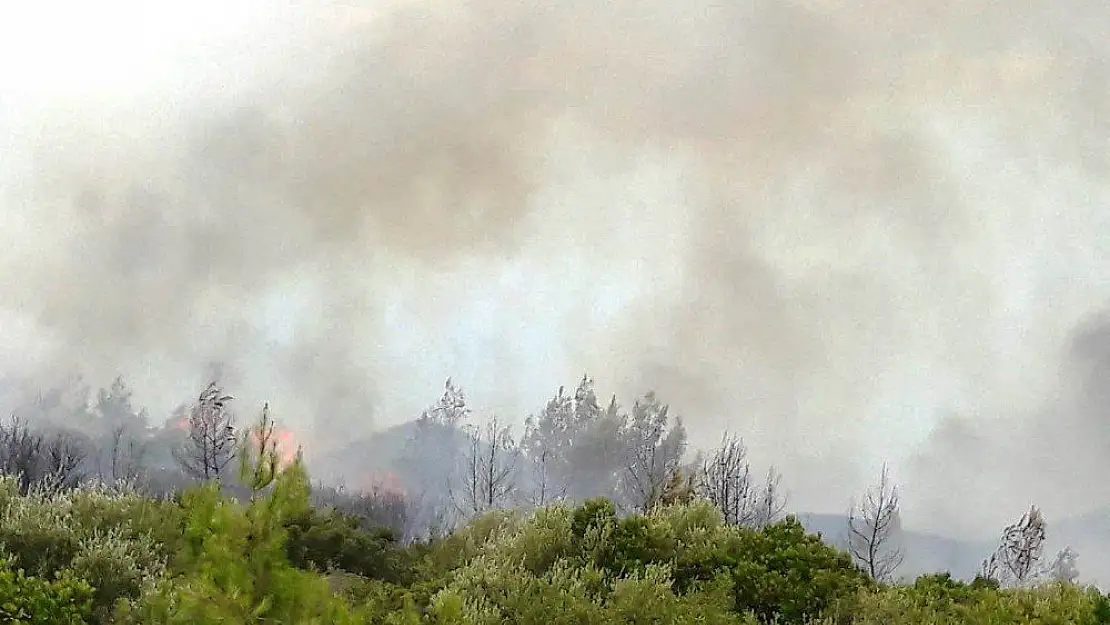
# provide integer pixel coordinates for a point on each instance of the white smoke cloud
(822, 224)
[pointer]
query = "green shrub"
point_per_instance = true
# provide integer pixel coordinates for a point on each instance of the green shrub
(939, 599)
(65, 600)
(586, 563)
(234, 565)
(327, 540)
(784, 575)
(100, 534)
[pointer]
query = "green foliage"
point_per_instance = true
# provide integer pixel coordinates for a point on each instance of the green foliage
(934, 599)
(235, 565)
(64, 600)
(110, 555)
(676, 564)
(103, 535)
(783, 574)
(327, 540)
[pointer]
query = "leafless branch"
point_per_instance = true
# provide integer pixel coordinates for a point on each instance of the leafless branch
(65, 455)
(125, 456)
(21, 452)
(487, 476)
(652, 454)
(771, 500)
(211, 440)
(1017, 559)
(726, 480)
(874, 528)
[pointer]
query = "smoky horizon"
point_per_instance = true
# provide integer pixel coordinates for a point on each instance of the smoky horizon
(853, 233)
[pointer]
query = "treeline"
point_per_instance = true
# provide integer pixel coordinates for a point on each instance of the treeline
(594, 515)
(575, 449)
(454, 468)
(111, 555)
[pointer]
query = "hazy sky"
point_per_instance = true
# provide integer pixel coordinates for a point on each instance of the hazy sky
(832, 226)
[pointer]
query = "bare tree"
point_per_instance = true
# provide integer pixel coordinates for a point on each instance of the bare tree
(125, 455)
(430, 463)
(771, 500)
(874, 528)
(1017, 559)
(726, 480)
(65, 455)
(541, 456)
(211, 440)
(487, 471)
(21, 453)
(653, 452)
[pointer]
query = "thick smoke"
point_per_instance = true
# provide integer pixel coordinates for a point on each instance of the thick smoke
(822, 224)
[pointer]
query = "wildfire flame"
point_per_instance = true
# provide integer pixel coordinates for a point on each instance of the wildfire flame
(381, 481)
(287, 445)
(286, 441)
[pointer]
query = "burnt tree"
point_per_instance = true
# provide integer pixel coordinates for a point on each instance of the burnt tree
(211, 441)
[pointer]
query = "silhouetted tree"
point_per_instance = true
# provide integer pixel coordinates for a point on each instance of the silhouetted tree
(21, 453)
(1019, 552)
(573, 447)
(544, 448)
(211, 440)
(1064, 567)
(65, 454)
(725, 480)
(771, 501)
(653, 451)
(874, 529)
(487, 472)
(123, 455)
(431, 459)
(114, 409)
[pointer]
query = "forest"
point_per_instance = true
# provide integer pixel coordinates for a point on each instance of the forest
(597, 514)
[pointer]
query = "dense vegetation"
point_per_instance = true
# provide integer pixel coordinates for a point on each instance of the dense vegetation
(111, 555)
(244, 537)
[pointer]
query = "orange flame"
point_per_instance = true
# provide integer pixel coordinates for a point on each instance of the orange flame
(285, 442)
(381, 481)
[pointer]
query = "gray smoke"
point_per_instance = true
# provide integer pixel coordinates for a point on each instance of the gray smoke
(822, 224)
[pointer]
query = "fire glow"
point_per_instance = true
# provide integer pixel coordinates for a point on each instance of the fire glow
(285, 440)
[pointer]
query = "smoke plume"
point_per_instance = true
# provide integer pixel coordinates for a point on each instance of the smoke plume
(825, 225)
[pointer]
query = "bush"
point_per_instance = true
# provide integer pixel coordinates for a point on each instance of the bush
(234, 563)
(784, 575)
(64, 600)
(940, 599)
(100, 534)
(327, 540)
(682, 560)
